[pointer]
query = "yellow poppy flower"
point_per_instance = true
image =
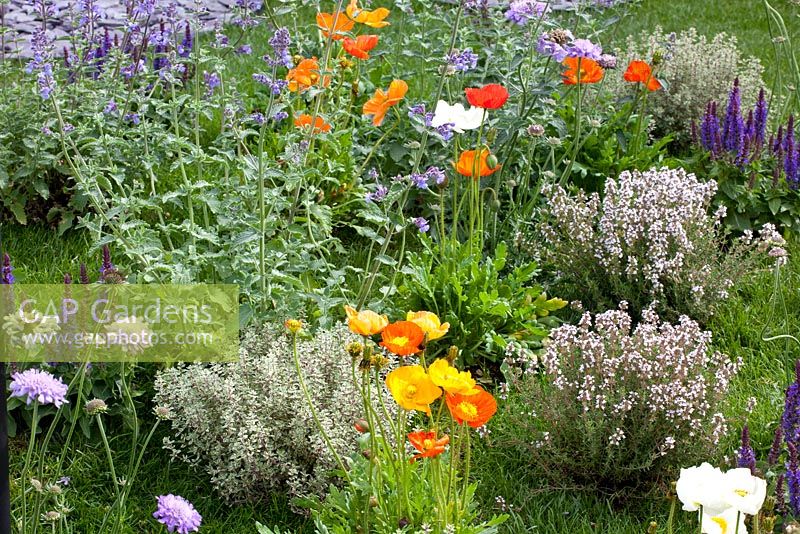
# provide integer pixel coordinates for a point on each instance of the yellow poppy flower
(451, 379)
(429, 322)
(412, 388)
(365, 322)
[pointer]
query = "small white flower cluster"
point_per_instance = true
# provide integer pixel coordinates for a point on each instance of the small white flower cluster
(651, 236)
(663, 374)
(247, 425)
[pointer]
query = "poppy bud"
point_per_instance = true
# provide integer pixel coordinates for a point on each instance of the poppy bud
(491, 161)
(652, 528)
(452, 354)
(373, 501)
(367, 453)
(403, 523)
(658, 57)
(496, 204)
(491, 135)
(362, 425)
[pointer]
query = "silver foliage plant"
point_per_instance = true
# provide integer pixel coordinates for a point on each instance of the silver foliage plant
(247, 425)
(652, 237)
(696, 69)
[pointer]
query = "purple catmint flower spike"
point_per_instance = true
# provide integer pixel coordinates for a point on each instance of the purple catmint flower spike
(760, 117)
(84, 275)
(746, 456)
(777, 447)
(793, 480)
(6, 273)
(780, 495)
(733, 125)
(106, 265)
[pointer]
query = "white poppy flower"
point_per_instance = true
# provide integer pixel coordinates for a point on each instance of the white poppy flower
(723, 522)
(702, 486)
(461, 119)
(743, 491)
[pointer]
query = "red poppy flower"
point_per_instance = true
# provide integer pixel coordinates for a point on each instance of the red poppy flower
(640, 72)
(581, 70)
(360, 46)
(475, 410)
(402, 338)
(427, 444)
(491, 96)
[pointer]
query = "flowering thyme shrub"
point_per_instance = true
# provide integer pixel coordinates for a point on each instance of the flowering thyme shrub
(650, 238)
(696, 69)
(247, 424)
(618, 405)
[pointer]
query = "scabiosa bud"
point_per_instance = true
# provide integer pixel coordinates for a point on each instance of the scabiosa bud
(96, 407)
(535, 130)
(39, 386)
(162, 413)
(177, 514)
(746, 455)
(607, 61)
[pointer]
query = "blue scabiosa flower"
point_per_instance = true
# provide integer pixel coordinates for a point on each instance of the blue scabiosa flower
(436, 175)
(39, 386)
(520, 12)
(177, 514)
(554, 44)
(419, 180)
(584, 48)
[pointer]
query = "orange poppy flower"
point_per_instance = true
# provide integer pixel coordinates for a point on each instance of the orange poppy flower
(475, 410)
(359, 46)
(491, 96)
(379, 104)
(336, 23)
(427, 444)
(639, 71)
(320, 126)
(468, 166)
(402, 338)
(305, 75)
(373, 19)
(365, 322)
(584, 69)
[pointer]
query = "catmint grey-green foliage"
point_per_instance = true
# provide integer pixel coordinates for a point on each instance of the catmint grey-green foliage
(247, 424)
(696, 69)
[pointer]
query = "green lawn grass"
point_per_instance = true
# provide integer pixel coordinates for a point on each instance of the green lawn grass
(40, 256)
